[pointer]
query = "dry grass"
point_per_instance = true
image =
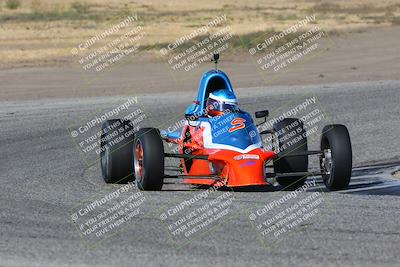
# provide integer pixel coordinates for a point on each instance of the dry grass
(46, 30)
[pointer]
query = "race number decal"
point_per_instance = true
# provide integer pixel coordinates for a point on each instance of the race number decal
(237, 124)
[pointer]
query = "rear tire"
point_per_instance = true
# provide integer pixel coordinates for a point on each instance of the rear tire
(336, 138)
(149, 159)
(116, 157)
(288, 131)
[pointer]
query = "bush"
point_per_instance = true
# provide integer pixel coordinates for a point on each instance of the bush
(13, 4)
(79, 7)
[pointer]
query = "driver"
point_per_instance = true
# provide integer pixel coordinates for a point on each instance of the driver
(220, 102)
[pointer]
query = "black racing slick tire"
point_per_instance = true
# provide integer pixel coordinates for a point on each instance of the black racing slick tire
(116, 156)
(336, 161)
(149, 159)
(292, 139)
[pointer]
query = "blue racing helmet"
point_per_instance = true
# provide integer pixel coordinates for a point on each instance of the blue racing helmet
(221, 101)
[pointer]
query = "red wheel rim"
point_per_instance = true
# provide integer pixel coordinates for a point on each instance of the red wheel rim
(139, 158)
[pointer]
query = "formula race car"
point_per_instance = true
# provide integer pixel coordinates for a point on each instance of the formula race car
(221, 143)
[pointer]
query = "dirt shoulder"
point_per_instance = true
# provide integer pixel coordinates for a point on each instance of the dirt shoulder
(43, 32)
(359, 56)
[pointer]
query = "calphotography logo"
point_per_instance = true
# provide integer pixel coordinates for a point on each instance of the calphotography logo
(198, 215)
(113, 46)
(296, 43)
(291, 134)
(107, 213)
(189, 51)
(102, 131)
(284, 215)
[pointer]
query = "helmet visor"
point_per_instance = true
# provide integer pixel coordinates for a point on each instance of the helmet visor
(230, 107)
(222, 106)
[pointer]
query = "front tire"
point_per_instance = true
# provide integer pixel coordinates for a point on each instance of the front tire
(336, 161)
(116, 156)
(149, 159)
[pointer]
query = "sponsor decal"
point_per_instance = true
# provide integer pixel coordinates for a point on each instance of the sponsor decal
(248, 163)
(237, 124)
(246, 156)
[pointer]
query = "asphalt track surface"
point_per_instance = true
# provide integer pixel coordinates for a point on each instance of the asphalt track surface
(43, 176)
